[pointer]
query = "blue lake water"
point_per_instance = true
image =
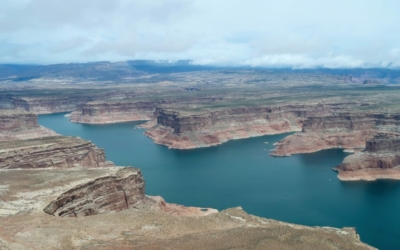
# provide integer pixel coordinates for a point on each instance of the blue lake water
(299, 189)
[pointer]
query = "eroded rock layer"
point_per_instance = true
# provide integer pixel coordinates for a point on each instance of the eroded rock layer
(184, 130)
(100, 112)
(380, 160)
(341, 130)
(116, 192)
(51, 152)
(112, 112)
(57, 101)
(19, 125)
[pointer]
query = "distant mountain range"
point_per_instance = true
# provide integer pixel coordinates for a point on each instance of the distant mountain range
(104, 70)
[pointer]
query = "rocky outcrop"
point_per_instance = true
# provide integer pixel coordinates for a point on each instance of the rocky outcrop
(53, 101)
(123, 190)
(113, 112)
(341, 130)
(19, 125)
(188, 129)
(301, 143)
(51, 152)
(116, 192)
(380, 160)
(126, 110)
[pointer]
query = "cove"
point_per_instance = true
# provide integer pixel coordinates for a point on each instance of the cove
(300, 189)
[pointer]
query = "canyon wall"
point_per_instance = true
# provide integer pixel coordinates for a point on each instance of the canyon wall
(57, 102)
(340, 130)
(116, 192)
(189, 129)
(18, 125)
(113, 112)
(380, 160)
(125, 110)
(51, 152)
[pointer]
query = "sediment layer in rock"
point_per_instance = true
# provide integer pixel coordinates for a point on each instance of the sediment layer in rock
(116, 192)
(19, 125)
(103, 112)
(51, 152)
(380, 160)
(347, 130)
(310, 142)
(60, 101)
(184, 130)
(113, 112)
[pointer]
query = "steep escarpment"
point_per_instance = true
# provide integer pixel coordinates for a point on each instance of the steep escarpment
(100, 112)
(340, 130)
(113, 112)
(116, 192)
(18, 125)
(53, 101)
(380, 160)
(51, 152)
(190, 129)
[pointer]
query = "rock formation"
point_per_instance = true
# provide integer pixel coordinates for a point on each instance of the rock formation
(19, 125)
(112, 193)
(42, 102)
(380, 160)
(113, 112)
(116, 192)
(190, 129)
(51, 152)
(101, 112)
(340, 130)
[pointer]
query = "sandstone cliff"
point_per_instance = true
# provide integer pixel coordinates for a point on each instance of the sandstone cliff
(380, 160)
(100, 112)
(340, 130)
(57, 101)
(113, 112)
(19, 125)
(51, 152)
(116, 192)
(190, 129)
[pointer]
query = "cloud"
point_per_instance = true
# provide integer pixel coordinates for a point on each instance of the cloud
(262, 33)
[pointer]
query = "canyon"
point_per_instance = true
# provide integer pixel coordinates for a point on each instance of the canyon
(62, 192)
(46, 181)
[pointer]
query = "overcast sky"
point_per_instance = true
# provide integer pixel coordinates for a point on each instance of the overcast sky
(270, 33)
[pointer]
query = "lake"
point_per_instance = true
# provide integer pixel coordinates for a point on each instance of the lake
(300, 189)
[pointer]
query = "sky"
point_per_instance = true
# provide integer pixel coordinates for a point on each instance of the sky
(258, 33)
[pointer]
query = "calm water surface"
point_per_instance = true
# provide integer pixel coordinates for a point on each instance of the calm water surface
(299, 189)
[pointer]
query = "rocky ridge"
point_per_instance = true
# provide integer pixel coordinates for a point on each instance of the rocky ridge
(19, 125)
(125, 110)
(380, 160)
(340, 130)
(185, 130)
(51, 152)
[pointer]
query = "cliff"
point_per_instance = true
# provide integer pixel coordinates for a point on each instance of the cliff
(190, 129)
(57, 101)
(380, 160)
(340, 130)
(116, 192)
(100, 112)
(18, 125)
(113, 112)
(51, 152)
